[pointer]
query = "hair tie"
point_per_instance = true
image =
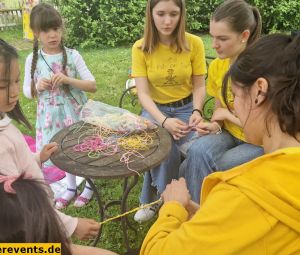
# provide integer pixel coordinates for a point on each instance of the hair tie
(8, 180)
(163, 123)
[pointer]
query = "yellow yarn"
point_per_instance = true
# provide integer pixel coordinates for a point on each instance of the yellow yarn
(138, 142)
(131, 211)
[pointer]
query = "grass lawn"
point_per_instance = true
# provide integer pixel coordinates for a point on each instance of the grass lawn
(110, 68)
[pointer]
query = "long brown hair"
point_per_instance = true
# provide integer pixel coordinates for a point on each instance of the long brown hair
(151, 38)
(43, 17)
(7, 54)
(277, 59)
(240, 16)
(28, 216)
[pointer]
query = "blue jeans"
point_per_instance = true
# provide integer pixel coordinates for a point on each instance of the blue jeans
(212, 153)
(156, 179)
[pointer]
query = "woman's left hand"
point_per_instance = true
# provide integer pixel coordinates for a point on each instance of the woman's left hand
(59, 79)
(177, 191)
(195, 119)
(47, 151)
(176, 127)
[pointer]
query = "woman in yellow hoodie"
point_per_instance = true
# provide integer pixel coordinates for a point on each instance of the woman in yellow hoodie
(253, 208)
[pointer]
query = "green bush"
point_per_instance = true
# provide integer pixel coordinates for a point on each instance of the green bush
(103, 22)
(198, 14)
(279, 15)
(97, 23)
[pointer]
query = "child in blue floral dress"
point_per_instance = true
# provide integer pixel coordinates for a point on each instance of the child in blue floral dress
(51, 75)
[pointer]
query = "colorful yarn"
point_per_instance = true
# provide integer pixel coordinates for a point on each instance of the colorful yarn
(120, 122)
(136, 142)
(99, 141)
(96, 146)
(125, 158)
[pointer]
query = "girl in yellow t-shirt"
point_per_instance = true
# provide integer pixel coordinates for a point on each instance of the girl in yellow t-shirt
(168, 65)
(233, 26)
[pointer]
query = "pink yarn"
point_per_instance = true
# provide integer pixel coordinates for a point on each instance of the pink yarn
(96, 144)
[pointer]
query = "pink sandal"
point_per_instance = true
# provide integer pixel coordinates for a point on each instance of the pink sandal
(61, 203)
(82, 201)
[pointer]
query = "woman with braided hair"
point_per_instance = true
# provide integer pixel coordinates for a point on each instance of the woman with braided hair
(51, 74)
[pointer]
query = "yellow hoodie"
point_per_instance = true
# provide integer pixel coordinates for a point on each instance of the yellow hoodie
(251, 209)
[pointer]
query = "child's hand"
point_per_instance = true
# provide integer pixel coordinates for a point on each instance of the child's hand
(86, 229)
(58, 79)
(43, 84)
(47, 151)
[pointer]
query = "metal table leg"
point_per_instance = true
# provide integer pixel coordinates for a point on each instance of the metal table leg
(124, 220)
(127, 187)
(100, 206)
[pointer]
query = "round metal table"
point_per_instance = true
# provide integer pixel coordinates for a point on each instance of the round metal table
(108, 167)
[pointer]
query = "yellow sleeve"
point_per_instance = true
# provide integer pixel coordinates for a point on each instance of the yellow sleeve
(139, 68)
(211, 86)
(226, 223)
(198, 57)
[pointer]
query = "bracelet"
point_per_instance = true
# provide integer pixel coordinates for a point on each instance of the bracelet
(197, 110)
(220, 129)
(162, 124)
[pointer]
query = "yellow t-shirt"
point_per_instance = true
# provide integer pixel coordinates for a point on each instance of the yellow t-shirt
(169, 73)
(251, 209)
(216, 72)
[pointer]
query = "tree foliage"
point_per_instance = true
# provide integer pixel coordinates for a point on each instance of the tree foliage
(97, 23)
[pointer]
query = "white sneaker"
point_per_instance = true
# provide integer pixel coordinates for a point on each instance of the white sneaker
(147, 213)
